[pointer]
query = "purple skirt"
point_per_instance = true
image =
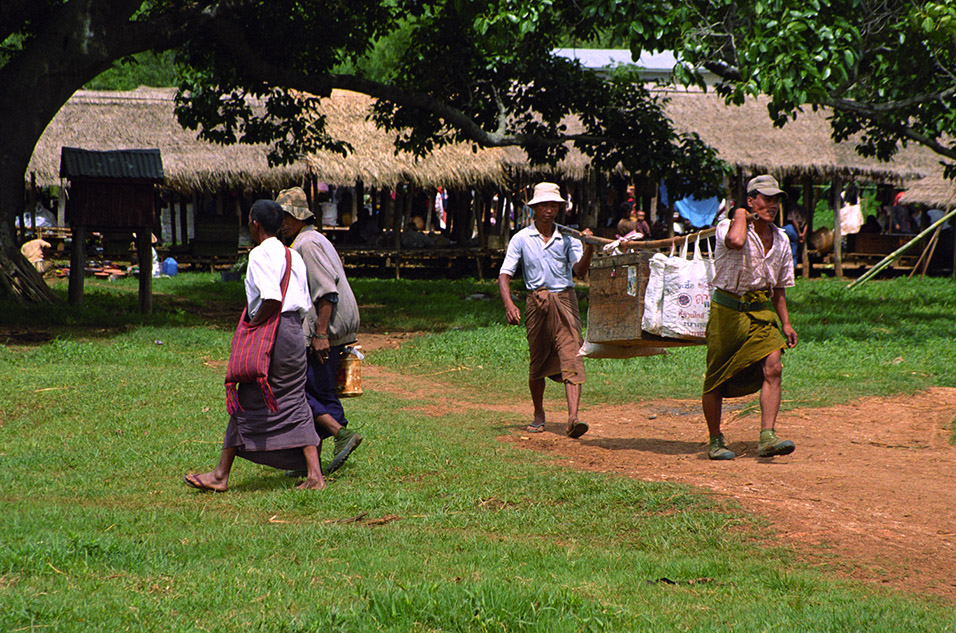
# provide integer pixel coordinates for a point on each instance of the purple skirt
(276, 438)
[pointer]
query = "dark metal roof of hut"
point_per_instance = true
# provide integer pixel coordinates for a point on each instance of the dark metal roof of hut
(122, 164)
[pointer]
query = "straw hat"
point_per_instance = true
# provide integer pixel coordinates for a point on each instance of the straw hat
(294, 202)
(546, 192)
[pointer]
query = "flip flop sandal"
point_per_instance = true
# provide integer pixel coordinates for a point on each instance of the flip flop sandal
(535, 427)
(576, 428)
(193, 481)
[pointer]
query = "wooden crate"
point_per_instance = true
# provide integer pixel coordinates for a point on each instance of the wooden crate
(616, 304)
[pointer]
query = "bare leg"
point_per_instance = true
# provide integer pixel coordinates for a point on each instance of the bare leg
(712, 403)
(573, 394)
(536, 386)
(328, 423)
(314, 479)
(218, 479)
(770, 390)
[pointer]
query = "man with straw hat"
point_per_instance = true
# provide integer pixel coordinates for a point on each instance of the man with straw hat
(753, 267)
(332, 325)
(549, 261)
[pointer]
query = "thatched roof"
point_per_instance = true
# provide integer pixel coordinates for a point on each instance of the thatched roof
(934, 191)
(144, 119)
(743, 136)
(373, 159)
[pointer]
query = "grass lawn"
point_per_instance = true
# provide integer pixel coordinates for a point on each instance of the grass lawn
(433, 525)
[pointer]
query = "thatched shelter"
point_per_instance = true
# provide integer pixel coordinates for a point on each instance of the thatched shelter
(144, 119)
(745, 137)
(375, 162)
(932, 191)
(213, 184)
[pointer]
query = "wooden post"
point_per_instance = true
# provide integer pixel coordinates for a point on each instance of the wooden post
(481, 203)
(77, 265)
(397, 207)
(358, 199)
(61, 207)
(173, 224)
(504, 217)
(809, 204)
(835, 200)
(144, 255)
(193, 209)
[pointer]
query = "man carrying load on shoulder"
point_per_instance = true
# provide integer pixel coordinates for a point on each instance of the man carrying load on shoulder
(745, 342)
(553, 323)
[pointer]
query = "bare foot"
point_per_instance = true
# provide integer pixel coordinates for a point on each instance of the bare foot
(311, 484)
(206, 481)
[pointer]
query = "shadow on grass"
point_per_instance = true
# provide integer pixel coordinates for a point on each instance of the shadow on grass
(112, 308)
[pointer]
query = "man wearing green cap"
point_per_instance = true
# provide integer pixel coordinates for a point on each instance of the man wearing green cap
(745, 341)
(332, 325)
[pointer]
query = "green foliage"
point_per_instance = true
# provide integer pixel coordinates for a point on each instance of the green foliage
(895, 336)
(876, 64)
(100, 533)
(483, 72)
(143, 69)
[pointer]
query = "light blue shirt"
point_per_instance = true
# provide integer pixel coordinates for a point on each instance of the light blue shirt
(545, 264)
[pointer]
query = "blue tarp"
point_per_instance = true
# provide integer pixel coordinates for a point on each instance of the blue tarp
(699, 213)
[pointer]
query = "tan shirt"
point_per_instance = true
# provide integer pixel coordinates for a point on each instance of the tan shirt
(326, 276)
(740, 271)
(33, 250)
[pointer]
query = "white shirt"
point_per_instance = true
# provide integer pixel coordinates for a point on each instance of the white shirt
(739, 271)
(264, 279)
(851, 219)
(545, 264)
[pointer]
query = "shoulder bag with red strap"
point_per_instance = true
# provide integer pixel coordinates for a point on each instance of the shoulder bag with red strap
(251, 350)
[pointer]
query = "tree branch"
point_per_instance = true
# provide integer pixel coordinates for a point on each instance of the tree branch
(723, 70)
(231, 37)
(860, 107)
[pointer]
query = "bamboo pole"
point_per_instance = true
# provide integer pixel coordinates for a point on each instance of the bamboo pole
(930, 246)
(892, 257)
(836, 187)
(628, 245)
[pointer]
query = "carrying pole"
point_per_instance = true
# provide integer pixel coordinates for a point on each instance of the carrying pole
(646, 245)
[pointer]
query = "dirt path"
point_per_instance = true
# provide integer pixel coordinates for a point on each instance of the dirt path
(870, 491)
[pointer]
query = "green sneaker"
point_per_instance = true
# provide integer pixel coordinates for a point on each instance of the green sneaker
(771, 445)
(718, 449)
(346, 441)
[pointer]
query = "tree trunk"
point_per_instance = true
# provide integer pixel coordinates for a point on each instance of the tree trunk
(18, 277)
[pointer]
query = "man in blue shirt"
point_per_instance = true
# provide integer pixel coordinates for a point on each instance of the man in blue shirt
(549, 260)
